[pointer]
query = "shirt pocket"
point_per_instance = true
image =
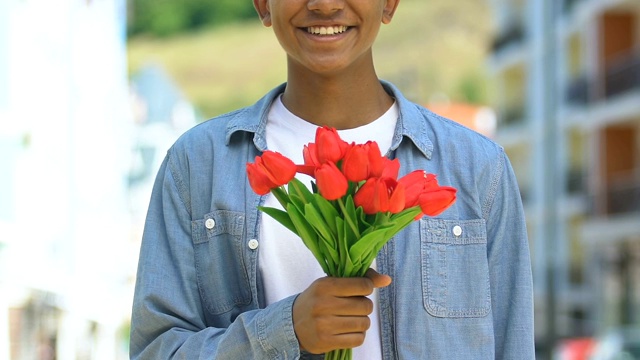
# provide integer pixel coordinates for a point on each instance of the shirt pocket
(455, 270)
(220, 266)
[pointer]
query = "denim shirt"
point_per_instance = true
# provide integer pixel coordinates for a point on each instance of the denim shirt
(461, 289)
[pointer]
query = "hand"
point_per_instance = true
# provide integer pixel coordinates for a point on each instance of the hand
(333, 313)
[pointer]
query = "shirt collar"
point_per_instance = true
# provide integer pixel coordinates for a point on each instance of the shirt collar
(412, 121)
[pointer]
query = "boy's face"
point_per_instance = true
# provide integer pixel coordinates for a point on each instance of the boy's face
(326, 36)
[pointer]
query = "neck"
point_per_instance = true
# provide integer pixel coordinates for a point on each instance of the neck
(343, 101)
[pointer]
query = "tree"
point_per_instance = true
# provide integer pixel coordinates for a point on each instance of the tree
(169, 17)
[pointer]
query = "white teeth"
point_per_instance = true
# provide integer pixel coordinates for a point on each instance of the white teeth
(326, 30)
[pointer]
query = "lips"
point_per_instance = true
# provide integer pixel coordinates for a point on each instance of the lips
(327, 30)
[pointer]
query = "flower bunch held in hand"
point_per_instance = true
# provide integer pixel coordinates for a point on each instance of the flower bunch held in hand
(356, 202)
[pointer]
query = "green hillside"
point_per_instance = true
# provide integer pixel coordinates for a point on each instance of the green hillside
(432, 47)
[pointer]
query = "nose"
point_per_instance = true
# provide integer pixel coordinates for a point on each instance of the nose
(325, 6)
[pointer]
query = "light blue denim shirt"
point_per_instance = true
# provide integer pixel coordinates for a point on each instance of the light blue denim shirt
(461, 288)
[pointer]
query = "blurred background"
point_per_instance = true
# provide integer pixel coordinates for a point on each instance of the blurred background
(93, 92)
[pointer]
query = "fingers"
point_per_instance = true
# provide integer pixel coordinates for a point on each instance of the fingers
(379, 280)
(357, 286)
(321, 334)
(344, 306)
(342, 325)
(345, 287)
(333, 313)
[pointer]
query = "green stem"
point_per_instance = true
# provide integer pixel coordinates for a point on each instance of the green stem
(340, 354)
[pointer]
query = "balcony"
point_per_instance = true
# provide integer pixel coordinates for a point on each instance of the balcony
(578, 91)
(620, 196)
(623, 198)
(513, 34)
(576, 182)
(622, 75)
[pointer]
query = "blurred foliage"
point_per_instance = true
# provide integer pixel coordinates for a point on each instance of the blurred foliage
(169, 17)
(431, 48)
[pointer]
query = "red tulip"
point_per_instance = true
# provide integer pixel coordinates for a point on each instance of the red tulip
(423, 189)
(376, 160)
(355, 165)
(329, 146)
(397, 198)
(380, 195)
(415, 184)
(381, 166)
(331, 182)
(436, 200)
(390, 168)
(363, 161)
(269, 171)
(309, 154)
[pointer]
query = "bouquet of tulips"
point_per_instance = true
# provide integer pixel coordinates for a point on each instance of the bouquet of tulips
(355, 205)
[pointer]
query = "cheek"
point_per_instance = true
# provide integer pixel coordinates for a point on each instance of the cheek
(284, 38)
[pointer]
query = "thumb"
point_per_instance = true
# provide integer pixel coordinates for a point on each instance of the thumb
(379, 280)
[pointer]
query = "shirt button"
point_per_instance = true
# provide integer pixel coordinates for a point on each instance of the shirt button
(253, 244)
(457, 230)
(210, 224)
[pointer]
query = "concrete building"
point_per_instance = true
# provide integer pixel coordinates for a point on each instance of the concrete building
(568, 84)
(65, 140)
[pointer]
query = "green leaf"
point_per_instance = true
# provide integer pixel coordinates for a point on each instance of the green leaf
(408, 214)
(351, 219)
(362, 220)
(280, 216)
(315, 219)
(297, 187)
(297, 202)
(369, 242)
(330, 253)
(307, 234)
(343, 249)
(403, 219)
(328, 211)
(281, 195)
(348, 264)
(367, 260)
(381, 219)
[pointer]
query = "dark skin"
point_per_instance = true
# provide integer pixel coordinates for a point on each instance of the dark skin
(333, 313)
(331, 81)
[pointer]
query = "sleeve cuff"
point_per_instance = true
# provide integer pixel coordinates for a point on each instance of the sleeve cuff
(275, 330)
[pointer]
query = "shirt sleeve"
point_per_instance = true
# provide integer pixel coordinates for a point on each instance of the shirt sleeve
(509, 267)
(168, 317)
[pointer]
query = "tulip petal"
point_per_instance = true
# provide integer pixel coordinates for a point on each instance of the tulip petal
(329, 145)
(355, 165)
(435, 201)
(258, 180)
(397, 199)
(278, 168)
(391, 168)
(332, 184)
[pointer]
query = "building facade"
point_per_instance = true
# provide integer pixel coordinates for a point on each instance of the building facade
(567, 75)
(65, 139)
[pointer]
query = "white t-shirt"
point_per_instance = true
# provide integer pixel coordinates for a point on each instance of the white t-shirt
(287, 266)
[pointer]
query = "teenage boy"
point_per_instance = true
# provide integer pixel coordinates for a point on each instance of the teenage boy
(218, 280)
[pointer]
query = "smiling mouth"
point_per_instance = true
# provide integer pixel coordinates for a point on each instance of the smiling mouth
(327, 30)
